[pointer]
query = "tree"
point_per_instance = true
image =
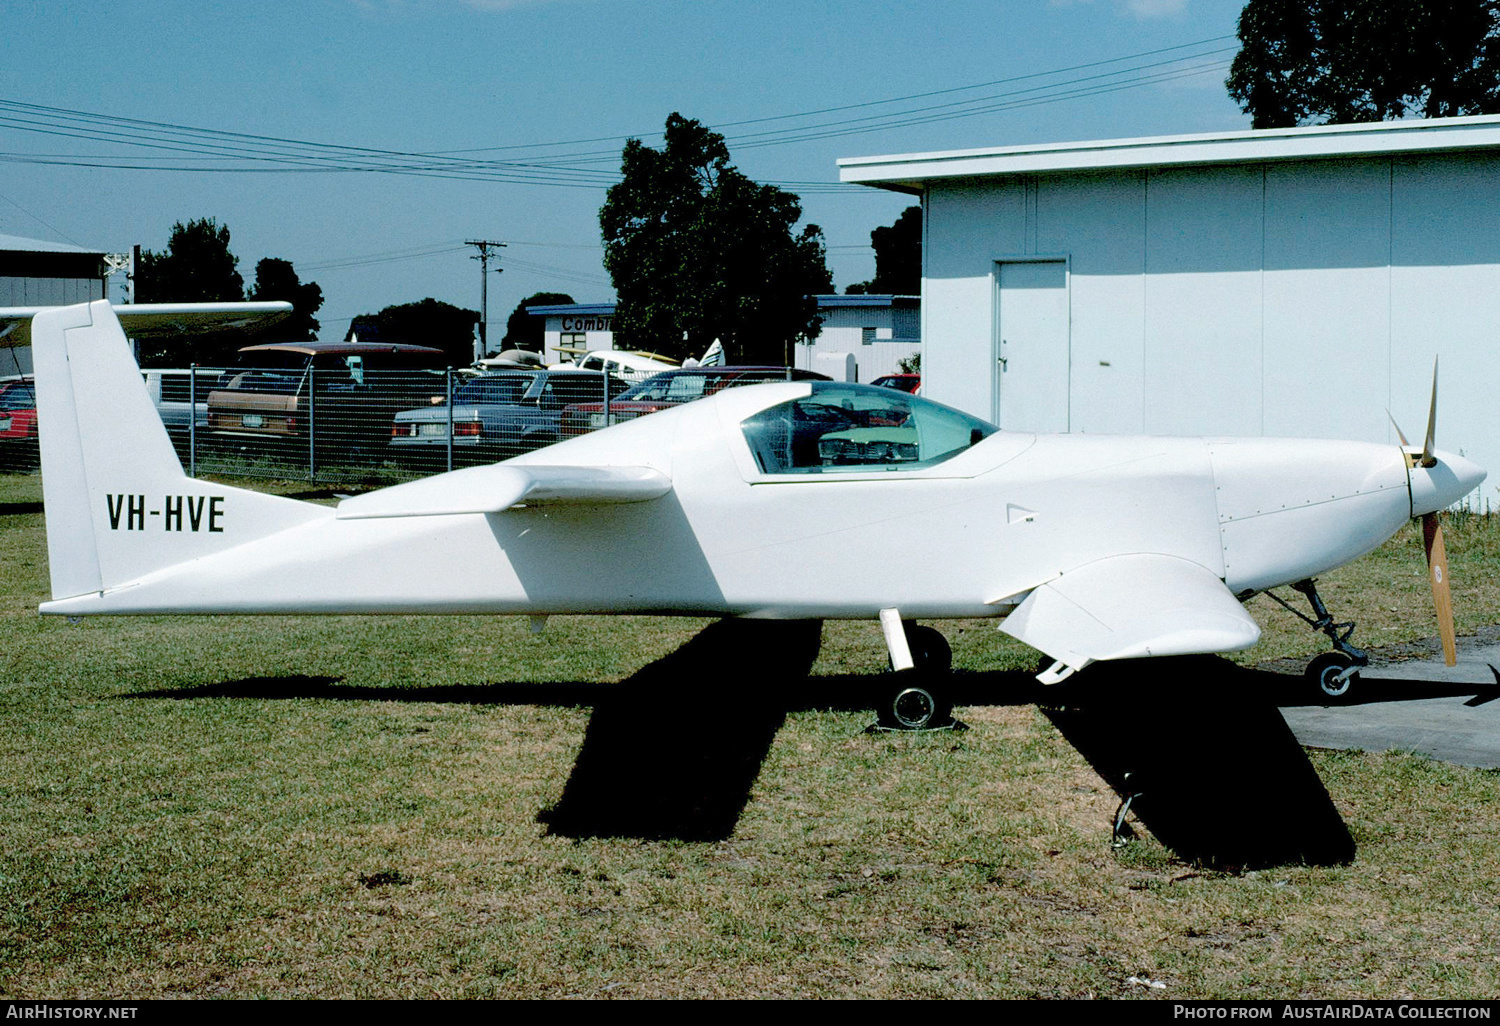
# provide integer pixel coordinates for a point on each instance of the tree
(524, 331)
(428, 323)
(1340, 61)
(698, 251)
(276, 279)
(196, 267)
(898, 258)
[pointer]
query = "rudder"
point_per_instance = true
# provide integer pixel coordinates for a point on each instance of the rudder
(118, 504)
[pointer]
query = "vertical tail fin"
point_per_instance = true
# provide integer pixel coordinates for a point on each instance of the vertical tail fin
(118, 504)
(71, 553)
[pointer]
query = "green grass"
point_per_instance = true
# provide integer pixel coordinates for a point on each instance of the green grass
(349, 807)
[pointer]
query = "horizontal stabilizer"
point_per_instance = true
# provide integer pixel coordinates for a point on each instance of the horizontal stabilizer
(1127, 607)
(500, 486)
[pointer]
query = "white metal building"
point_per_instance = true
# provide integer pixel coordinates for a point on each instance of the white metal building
(880, 331)
(1294, 282)
(575, 327)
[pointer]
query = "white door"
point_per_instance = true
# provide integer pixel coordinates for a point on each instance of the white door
(1031, 340)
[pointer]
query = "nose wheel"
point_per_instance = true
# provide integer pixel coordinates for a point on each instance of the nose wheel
(1331, 674)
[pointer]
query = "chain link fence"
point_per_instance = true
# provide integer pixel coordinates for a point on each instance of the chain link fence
(370, 425)
(18, 434)
(373, 426)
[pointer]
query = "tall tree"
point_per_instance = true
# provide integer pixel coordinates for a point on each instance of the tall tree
(1341, 61)
(276, 279)
(524, 331)
(196, 267)
(698, 251)
(428, 323)
(898, 258)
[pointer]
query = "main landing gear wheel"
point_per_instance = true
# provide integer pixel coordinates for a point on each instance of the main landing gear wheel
(929, 649)
(1328, 674)
(917, 707)
(919, 701)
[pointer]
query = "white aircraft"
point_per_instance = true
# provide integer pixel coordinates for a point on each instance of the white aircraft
(796, 500)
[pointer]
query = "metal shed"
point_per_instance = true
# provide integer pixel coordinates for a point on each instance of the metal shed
(36, 273)
(1291, 282)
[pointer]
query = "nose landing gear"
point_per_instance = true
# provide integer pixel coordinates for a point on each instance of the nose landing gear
(1332, 674)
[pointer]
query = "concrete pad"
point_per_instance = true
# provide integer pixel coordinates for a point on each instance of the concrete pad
(1449, 713)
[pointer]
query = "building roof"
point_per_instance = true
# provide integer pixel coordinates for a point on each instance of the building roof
(911, 172)
(608, 309)
(878, 299)
(18, 244)
(573, 310)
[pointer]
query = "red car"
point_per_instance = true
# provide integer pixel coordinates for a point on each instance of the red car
(18, 436)
(672, 388)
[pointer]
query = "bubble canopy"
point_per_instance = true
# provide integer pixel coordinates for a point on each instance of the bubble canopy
(857, 428)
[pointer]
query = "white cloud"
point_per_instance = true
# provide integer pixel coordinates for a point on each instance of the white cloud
(1145, 10)
(1148, 9)
(475, 5)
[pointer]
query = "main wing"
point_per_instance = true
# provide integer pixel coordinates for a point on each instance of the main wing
(1128, 607)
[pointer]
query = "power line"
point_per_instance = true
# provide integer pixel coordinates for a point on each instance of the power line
(391, 256)
(185, 148)
(874, 103)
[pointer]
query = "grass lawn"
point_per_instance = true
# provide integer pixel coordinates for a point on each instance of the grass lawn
(432, 807)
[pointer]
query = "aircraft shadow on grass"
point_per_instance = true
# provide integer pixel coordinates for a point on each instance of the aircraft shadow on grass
(1197, 744)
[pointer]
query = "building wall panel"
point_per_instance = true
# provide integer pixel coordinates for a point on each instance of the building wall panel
(1203, 336)
(965, 228)
(49, 291)
(1327, 299)
(1445, 301)
(1099, 222)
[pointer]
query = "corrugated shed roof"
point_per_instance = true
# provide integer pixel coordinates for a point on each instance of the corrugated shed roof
(18, 244)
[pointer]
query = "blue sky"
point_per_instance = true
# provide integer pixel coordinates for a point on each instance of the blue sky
(530, 81)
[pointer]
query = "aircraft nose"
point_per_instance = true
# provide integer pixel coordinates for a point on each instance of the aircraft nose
(1444, 483)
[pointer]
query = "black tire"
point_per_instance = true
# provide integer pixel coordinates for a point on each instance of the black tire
(919, 701)
(916, 705)
(1323, 671)
(929, 649)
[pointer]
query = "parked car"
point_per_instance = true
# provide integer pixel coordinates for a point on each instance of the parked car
(18, 434)
(173, 392)
(496, 416)
(672, 388)
(345, 393)
(904, 382)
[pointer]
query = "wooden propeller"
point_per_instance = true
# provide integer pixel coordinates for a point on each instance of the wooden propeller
(1437, 575)
(1432, 534)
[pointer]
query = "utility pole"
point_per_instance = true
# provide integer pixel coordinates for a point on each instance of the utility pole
(481, 346)
(118, 263)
